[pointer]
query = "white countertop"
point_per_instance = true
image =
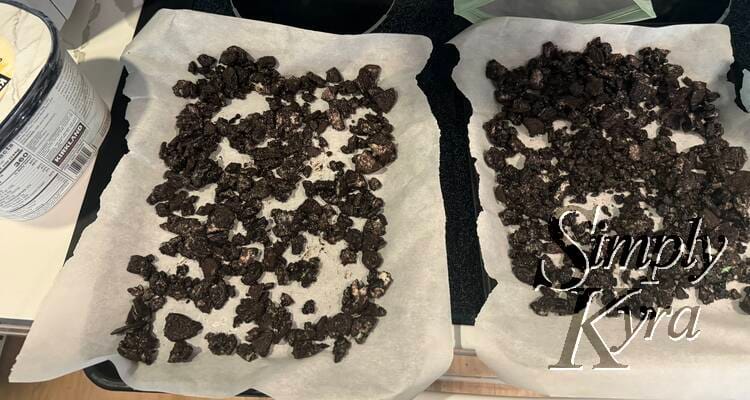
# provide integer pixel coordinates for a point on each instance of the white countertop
(34, 251)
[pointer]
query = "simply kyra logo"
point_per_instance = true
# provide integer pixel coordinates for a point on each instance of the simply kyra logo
(650, 255)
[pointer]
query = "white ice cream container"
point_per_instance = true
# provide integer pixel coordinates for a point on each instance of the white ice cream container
(51, 120)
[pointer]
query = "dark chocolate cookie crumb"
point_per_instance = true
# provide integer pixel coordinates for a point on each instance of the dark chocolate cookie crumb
(142, 266)
(375, 184)
(181, 352)
(261, 340)
(307, 349)
(286, 300)
(180, 327)
(308, 307)
(334, 76)
(221, 344)
(340, 348)
(139, 345)
(246, 352)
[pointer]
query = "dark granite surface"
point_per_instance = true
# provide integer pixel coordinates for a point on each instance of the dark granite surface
(469, 285)
(739, 24)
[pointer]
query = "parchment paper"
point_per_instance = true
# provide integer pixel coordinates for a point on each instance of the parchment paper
(519, 345)
(410, 347)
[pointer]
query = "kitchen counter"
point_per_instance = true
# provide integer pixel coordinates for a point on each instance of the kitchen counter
(34, 251)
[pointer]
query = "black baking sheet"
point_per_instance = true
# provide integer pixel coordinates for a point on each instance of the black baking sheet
(469, 284)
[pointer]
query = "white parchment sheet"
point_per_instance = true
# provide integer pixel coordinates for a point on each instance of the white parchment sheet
(411, 346)
(519, 345)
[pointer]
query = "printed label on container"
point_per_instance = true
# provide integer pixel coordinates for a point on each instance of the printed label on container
(52, 150)
(7, 61)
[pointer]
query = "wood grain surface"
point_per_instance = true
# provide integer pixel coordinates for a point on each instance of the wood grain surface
(467, 375)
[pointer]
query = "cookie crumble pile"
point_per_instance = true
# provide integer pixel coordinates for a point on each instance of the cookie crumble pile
(241, 234)
(594, 108)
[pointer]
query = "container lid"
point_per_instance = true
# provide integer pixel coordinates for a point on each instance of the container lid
(26, 44)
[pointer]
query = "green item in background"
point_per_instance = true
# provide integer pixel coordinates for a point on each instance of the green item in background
(582, 11)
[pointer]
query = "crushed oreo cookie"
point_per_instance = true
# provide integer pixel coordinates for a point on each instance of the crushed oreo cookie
(308, 307)
(180, 327)
(221, 344)
(340, 348)
(594, 107)
(238, 234)
(181, 352)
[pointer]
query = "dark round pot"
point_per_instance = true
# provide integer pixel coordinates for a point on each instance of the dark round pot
(336, 16)
(690, 11)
